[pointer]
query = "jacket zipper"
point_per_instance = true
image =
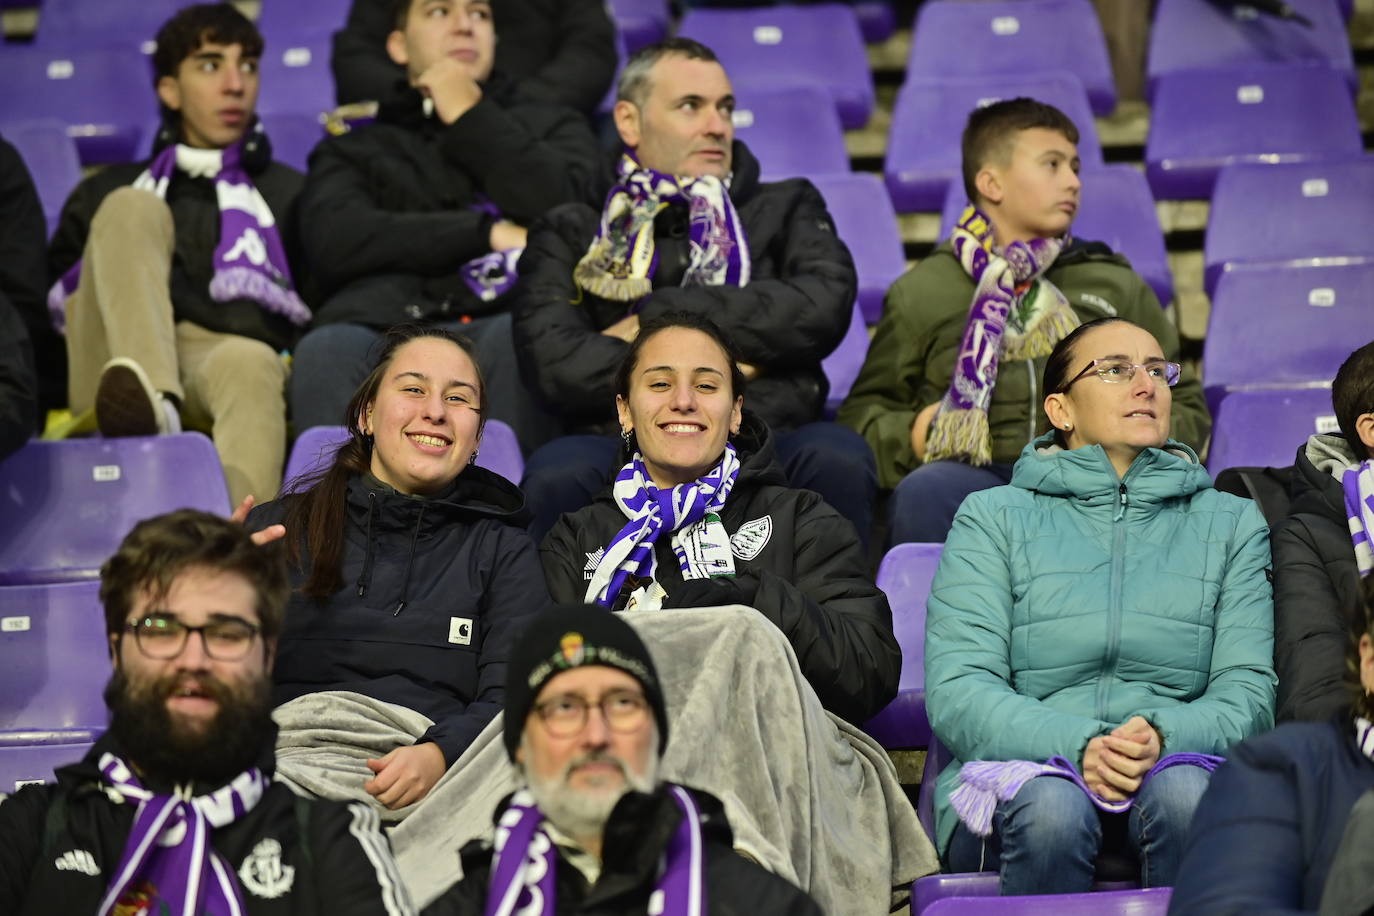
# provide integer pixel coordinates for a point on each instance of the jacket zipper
(1114, 606)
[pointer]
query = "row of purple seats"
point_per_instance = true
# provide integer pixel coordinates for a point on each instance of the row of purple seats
(865, 220)
(1263, 427)
(314, 448)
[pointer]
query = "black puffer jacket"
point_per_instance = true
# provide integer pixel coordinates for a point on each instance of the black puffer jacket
(52, 837)
(388, 209)
(636, 836)
(1316, 585)
(793, 312)
(195, 214)
(435, 591)
(796, 560)
(18, 388)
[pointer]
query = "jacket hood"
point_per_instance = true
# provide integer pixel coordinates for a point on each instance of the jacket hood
(1316, 485)
(744, 179)
(1087, 474)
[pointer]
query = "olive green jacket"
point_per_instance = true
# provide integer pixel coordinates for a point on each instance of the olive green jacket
(911, 359)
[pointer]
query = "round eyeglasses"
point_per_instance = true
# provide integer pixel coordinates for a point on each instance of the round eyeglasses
(623, 711)
(165, 637)
(1123, 370)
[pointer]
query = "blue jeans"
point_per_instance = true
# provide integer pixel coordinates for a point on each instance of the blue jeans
(830, 459)
(924, 502)
(1048, 837)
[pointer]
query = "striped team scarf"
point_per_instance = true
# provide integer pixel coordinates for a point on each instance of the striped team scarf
(1358, 484)
(168, 859)
(523, 863)
(690, 510)
(622, 258)
(1016, 314)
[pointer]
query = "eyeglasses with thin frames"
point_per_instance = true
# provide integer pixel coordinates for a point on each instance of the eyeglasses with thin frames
(163, 638)
(1123, 370)
(623, 711)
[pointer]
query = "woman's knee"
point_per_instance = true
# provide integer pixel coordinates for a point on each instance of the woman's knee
(1049, 811)
(1169, 798)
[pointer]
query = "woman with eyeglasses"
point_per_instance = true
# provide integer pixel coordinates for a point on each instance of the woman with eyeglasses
(1098, 632)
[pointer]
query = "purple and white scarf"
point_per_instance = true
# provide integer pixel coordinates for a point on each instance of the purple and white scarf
(984, 783)
(622, 258)
(1364, 737)
(523, 863)
(690, 510)
(492, 274)
(1358, 483)
(249, 261)
(168, 855)
(1016, 314)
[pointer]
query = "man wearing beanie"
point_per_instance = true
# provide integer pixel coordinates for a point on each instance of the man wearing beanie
(593, 830)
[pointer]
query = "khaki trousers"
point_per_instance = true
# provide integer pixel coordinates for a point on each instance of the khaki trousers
(232, 385)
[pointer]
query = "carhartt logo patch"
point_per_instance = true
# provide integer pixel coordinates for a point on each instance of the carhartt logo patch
(78, 860)
(747, 542)
(460, 631)
(263, 872)
(593, 561)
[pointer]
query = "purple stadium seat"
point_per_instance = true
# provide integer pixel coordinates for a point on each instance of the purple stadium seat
(123, 24)
(640, 22)
(877, 20)
(931, 889)
(296, 76)
(955, 38)
(1290, 213)
(842, 366)
(777, 47)
(1204, 35)
(293, 136)
(1285, 326)
(923, 156)
(865, 220)
(101, 96)
(904, 577)
(1153, 901)
(22, 764)
(51, 159)
(56, 663)
(499, 452)
(1265, 428)
(1204, 120)
(1116, 208)
(68, 504)
(792, 132)
(284, 21)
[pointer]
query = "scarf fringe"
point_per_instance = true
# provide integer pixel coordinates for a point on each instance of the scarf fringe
(246, 283)
(1040, 340)
(960, 435)
(593, 275)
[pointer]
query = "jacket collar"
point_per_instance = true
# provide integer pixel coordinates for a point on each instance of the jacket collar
(1087, 474)
(744, 181)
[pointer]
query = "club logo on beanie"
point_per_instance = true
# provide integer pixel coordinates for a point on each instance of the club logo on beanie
(574, 652)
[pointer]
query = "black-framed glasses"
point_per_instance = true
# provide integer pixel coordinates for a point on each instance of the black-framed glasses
(624, 711)
(165, 637)
(1123, 370)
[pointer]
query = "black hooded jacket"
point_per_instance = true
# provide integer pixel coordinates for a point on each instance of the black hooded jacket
(52, 837)
(389, 209)
(791, 315)
(636, 836)
(1316, 586)
(796, 560)
(435, 591)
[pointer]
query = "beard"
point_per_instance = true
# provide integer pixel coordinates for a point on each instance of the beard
(583, 812)
(168, 749)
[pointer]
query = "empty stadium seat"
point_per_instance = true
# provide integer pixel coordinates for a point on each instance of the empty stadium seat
(865, 220)
(21, 764)
(127, 25)
(1266, 428)
(782, 46)
(1202, 121)
(905, 576)
(1204, 35)
(1151, 901)
(499, 452)
(1287, 326)
(1116, 208)
(57, 661)
(640, 22)
(923, 155)
(293, 136)
(1290, 213)
(68, 504)
(286, 20)
(52, 160)
(792, 132)
(955, 38)
(296, 77)
(842, 366)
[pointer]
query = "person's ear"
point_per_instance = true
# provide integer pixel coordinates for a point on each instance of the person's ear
(1367, 663)
(627, 123)
(396, 48)
(269, 654)
(1364, 428)
(737, 415)
(1060, 411)
(169, 92)
(988, 182)
(365, 420)
(114, 649)
(622, 412)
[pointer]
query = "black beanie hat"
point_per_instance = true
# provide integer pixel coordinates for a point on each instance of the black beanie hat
(574, 636)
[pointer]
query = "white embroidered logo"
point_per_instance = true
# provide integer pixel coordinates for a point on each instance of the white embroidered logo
(593, 561)
(749, 541)
(78, 860)
(460, 631)
(263, 872)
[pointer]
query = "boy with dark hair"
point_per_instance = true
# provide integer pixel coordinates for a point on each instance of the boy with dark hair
(949, 392)
(1316, 574)
(172, 275)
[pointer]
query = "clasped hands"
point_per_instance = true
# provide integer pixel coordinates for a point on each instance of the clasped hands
(1114, 764)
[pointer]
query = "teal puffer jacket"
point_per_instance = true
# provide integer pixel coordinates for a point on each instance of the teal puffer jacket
(1072, 600)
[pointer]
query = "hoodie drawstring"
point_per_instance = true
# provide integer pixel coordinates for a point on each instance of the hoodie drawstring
(365, 576)
(410, 561)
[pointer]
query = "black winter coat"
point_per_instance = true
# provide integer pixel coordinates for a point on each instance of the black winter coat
(636, 836)
(435, 592)
(340, 862)
(388, 209)
(797, 561)
(18, 385)
(23, 275)
(560, 51)
(195, 213)
(1316, 586)
(790, 316)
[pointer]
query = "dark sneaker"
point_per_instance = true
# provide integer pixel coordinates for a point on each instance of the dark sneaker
(126, 403)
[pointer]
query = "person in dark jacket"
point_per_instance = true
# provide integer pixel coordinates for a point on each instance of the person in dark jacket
(687, 226)
(174, 273)
(175, 808)
(1316, 582)
(18, 383)
(560, 51)
(733, 531)
(585, 724)
(412, 573)
(421, 215)
(1267, 834)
